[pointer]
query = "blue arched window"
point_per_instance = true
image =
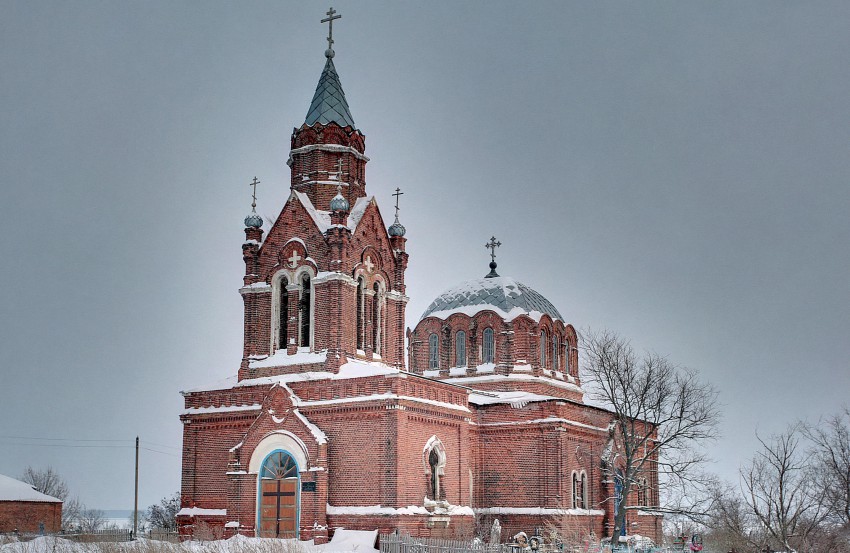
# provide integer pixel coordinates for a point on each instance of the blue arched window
(460, 349)
(488, 355)
(433, 352)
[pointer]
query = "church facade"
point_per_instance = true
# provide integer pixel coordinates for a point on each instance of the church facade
(338, 417)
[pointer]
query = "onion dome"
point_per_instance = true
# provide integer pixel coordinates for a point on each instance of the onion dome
(253, 220)
(396, 229)
(503, 295)
(338, 202)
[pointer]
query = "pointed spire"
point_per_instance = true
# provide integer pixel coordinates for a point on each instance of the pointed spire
(329, 104)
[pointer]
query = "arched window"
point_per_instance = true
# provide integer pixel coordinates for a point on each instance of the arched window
(278, 512)
(283, 315)
(360, 315)
(304, 312)
(434, 464)
(643, 492)
(433, 351)
(376, 319)
(576, 491)
(583, 494)
(556, 353)
(488, 346)
(544, 345)
(460, 349)
(567, 362)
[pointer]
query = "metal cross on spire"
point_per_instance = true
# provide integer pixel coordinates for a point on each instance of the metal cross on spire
(330, 21)
(254, 195)
(398, 193)
(492, 245)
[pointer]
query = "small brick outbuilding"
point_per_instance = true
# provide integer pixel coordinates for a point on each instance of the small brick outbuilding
(26, 510)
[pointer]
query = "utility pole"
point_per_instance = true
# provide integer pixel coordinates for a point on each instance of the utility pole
(136, 499)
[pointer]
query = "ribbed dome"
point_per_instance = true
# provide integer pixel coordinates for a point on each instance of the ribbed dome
(504, 295)
(253, 220)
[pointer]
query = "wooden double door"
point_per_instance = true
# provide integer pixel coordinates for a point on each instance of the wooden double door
(279, 497)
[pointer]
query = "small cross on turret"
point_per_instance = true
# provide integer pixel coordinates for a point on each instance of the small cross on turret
(492, 245)
(330, 21)
(398, 193)
(254, 195)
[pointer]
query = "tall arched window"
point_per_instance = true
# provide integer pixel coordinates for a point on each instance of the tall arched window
(583, 494)
(283, 315)
(488, 355)
(544, 346)
(376, 319)
(460, 349)
(304, 312)
(556, 353)
(360, 304)
(434, 464)
(576, 491)
(433, 351)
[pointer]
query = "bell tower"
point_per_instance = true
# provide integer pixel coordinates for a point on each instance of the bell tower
(326, 284)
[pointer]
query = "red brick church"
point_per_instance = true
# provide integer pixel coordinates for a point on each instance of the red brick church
(338, 417)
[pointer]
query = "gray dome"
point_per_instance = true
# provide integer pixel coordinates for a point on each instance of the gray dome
(253, 220)
(396, 229)
(338, 203)
(504, 295)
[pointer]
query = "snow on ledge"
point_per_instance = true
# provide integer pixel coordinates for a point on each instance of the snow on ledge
(281, 359)
(199, 511)
(548, 420)
(517, 400)
(225, 409)
(537, 511)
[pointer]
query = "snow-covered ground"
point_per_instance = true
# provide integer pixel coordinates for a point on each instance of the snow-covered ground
(344, 541)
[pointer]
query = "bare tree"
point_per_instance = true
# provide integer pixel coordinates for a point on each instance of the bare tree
(662, 416)
(781, 492)
(831, 453)
(91, 520)
(47, 481)
(50, 482)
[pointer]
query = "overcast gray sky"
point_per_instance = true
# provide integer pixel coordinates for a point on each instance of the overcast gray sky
(674, 171)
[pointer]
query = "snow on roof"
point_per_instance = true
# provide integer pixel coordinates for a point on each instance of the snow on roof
(195, 511)
(321, 437)
(323, 218)
(526, 377)
(505, 296)
(15, 490)
(517, 400)
(281, 359)
(224, 409)
(353, 368)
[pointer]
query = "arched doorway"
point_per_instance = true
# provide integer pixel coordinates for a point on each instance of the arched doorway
(278, 496)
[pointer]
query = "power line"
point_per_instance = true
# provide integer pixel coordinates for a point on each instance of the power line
(61, 439)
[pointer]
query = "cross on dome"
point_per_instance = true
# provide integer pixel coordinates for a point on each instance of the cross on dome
(492, 245)
(330, 21)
